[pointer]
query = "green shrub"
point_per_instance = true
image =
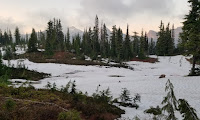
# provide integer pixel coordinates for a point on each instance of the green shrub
(70, 115)
(10, 105)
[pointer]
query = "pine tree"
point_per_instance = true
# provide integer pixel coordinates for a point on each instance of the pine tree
(95, 38)
(50, 38)
(60, 36)
(135, 44)
(170, 102)
(10, 37)
(146, 44)
(104, 40)
(119, 44)
(113, 53)
(152, 47)
(127, 47)
(1, 37)
(142, 46)
(188, 113)
(68, 44)
(17, 36)
(5, 38)
(191, 33)
(77, 44)
(169, 40)
(32, 44)
(160, 45)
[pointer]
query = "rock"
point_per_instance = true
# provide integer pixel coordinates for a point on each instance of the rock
(162, 76)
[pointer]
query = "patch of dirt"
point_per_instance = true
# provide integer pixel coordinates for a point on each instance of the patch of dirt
(58, 57)
(150, 60)
(115, 76)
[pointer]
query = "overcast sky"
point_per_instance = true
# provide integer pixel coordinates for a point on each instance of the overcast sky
(139, 14)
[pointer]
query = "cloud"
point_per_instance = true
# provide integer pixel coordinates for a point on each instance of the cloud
(10, 23)
(126, 8)
(123, 12)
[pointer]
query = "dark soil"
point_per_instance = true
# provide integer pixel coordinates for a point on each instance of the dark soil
(58, 57)
(150, 60)
(64, 58)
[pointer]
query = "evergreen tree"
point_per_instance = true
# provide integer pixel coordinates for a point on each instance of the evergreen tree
(10, 37)
(50, 38)
(32, 44)
(191, 32)
(95, 38)
(68, 44)
(141, 54)
(1, 37)
(146, 44)
(17, 36)
(170, 102)
(188, 113)
(59, 36)
(165, 42)
(152, 47)
(119, 44)
(77, 44)
(127, 46)
(113, 53)
(160, 45)
(135, 44)
(104, 41)
(169, 40)
(5, 38)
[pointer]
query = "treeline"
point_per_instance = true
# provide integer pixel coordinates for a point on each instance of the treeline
(97, 42)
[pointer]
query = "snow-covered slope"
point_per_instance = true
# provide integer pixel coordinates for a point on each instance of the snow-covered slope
(143, 80)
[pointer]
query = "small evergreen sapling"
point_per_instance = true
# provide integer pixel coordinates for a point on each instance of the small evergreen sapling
(188, 113)
(170, 102)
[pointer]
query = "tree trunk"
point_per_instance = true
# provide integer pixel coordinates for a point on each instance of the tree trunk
(193, 66)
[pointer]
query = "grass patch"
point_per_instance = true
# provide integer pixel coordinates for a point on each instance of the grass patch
(29, 102)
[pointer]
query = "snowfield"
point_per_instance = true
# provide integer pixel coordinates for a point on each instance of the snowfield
(144, 79)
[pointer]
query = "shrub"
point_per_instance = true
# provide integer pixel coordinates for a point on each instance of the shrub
(70, 115)
(10, 105)
(8, 54)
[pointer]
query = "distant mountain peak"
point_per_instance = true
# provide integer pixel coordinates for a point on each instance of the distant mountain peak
(153, 34)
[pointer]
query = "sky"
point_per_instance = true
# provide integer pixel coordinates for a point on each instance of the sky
(138, 14)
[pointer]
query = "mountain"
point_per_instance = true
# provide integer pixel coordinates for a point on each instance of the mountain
(153, 34)
(73, 31)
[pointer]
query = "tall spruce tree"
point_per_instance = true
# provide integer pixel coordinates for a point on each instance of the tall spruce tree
(59, 36)
(119, 44)
(5, 38)
(141, 54)
(135, 44)
(127, 46)
(165, 42)
(104, 40)
(32, 44)
(191, 33)
(95, 40)
(146, 44)
(152, 47)
(50, 39)
(68, 44)
(113, 53)
(160, 45)
(17, 36)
